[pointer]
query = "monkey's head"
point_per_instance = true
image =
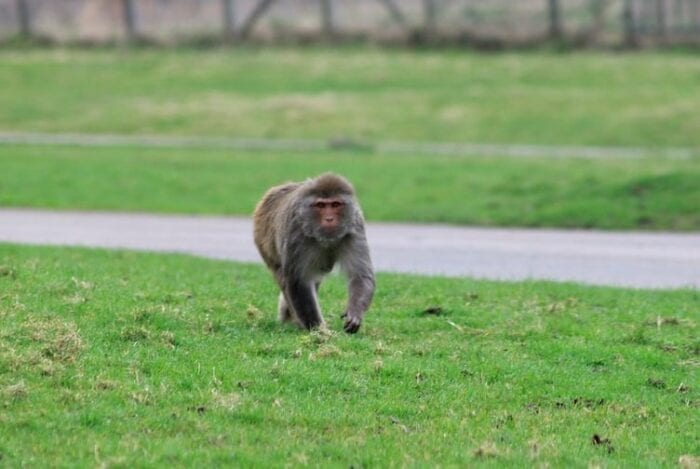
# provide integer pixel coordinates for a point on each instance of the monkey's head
(328, 207)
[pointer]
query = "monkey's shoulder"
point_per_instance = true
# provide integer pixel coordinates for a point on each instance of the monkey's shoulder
(279, 193)
(274, 197)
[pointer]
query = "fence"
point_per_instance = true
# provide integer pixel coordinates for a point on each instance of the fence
(477, 22)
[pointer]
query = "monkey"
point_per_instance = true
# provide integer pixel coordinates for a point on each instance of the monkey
(301, 230)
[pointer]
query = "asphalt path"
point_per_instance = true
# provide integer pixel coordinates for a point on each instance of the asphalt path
(515, 150)
(630, 259)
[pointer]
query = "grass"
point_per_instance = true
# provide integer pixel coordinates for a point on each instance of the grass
(118, 358)
(589, 98)
(611, 194)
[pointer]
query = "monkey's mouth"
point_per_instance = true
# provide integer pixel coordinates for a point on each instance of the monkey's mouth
(329, 230)
(331, 226)
(330, 233)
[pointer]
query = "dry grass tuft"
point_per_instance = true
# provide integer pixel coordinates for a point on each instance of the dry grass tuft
(143, 397)
(106, 384)
(168, 338)
(60, 341)
(688, 461)
(486, 450)
(321, 335)
(135, 334)
(325, 351)
(227, 401)
(253, 314)
(15, 391)
(7, 271)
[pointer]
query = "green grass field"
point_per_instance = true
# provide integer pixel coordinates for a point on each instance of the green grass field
(125, 359)
(643, 99)
(118, 358)
(612, 194)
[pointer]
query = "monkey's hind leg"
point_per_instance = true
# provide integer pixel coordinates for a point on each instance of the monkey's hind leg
(303, 304)
(284, 311)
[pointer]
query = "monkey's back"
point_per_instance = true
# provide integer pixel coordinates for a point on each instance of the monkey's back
(266, 219)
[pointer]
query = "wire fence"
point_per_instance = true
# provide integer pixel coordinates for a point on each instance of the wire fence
(471, 22)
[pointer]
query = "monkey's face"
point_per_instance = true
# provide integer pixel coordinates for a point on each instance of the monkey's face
(327, 218)
(329, 214)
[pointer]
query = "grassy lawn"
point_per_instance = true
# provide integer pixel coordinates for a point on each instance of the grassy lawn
(641, 99)
(118, 358)
(616, 193)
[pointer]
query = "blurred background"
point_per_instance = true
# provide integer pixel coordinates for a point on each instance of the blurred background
(559, 140)
(537, 113)
(485, 23)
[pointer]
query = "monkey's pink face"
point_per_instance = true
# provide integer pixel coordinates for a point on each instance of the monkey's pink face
(329, 213)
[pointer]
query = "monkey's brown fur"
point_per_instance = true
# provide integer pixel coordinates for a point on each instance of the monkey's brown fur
(299, 251)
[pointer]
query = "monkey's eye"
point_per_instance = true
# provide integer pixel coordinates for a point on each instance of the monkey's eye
(336, 204)
(320, 205)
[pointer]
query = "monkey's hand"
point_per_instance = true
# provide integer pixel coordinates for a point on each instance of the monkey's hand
(352, 323)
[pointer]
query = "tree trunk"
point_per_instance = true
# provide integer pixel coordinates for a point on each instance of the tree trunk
(23, 19)
(129, 9)
(327, 18)
(661, 19)
(229, 10)
(429, 14)
(555, 30)
(628, 22)
(257, 13)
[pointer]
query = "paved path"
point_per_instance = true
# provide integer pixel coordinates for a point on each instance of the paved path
(660, 260)
(516, 150)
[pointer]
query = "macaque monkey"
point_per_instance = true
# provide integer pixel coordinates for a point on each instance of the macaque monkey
(302, 229)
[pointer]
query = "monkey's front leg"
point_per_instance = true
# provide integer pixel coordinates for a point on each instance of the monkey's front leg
(301, 297)
(360, 293)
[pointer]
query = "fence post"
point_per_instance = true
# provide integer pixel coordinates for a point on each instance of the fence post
(129, 10)
(429, 17)
(554, 19)
(327, 18)
(229, 18)
(660, 19)
(599, 10)
(628, 23)
(23, 19)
